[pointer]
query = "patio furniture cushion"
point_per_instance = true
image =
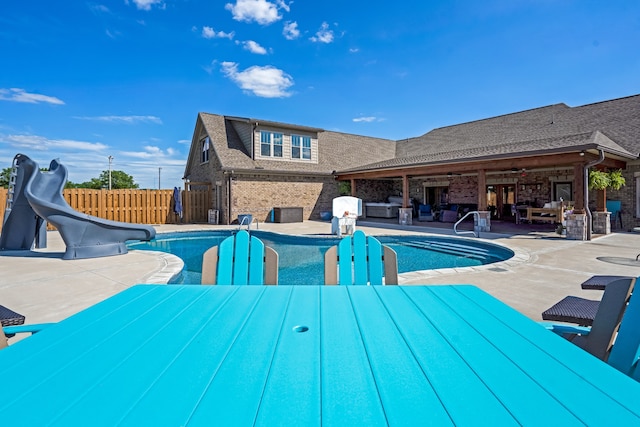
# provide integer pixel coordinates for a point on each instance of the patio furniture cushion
(600, 282)
(425, 213)
(573, 310)
(9, 317)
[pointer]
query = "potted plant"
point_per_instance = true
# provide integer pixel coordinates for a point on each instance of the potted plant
(601, 180)
(344, 188)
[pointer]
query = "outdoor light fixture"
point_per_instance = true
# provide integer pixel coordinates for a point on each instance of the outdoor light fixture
(582, 153)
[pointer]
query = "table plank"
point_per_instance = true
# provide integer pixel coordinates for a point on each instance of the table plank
(177, 354)
(402, 385)
(567, 357)
(349, 395)
(555, 387)
(461, 391)
(72, 347)
(292, 393)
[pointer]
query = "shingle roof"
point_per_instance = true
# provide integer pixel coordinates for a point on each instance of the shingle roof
(335, 150)
(612, 125)
(522, 148)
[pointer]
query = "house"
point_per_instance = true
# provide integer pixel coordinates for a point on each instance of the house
(524, 158)
(255, 165)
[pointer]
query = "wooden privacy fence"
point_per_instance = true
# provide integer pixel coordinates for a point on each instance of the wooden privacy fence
(134, 206)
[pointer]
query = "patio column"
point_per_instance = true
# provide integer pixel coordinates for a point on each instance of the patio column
(578, 186)
(405, 191)
(482, 190)
(353, 187)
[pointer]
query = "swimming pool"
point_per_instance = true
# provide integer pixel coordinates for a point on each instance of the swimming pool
(301, 258)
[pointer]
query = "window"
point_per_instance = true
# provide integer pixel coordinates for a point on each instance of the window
(204, 158)
(563, 191)
(270, 144)
(300, 147)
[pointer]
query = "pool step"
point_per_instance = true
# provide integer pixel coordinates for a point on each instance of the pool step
(454, 249)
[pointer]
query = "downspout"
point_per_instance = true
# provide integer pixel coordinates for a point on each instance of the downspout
(253, 140)
(586, 192)
(229, 210)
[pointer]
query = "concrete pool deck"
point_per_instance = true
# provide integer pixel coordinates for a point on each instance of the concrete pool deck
(45, 288)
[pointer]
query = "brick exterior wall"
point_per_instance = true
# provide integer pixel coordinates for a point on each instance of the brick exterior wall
(259, 194)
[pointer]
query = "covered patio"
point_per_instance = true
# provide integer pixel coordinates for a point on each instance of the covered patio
(503, 182)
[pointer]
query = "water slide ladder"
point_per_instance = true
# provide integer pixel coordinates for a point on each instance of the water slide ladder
(12, 189)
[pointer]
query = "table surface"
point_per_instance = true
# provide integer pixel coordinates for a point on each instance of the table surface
(307, 355)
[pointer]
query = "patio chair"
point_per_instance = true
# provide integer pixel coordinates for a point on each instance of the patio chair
(240, 259)
(425, 213)
(625, 353)
(615, 206)
(9, 331)
(578, 310)
(598, 338)
(360, 260)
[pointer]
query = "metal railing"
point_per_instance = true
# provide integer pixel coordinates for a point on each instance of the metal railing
(248, 220)
(476, 216)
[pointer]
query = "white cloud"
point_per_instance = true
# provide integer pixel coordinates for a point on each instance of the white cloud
(210, 33)
(146, 4)
(254, 47)
(324, 34)
(41, 143)
(354, 50)
(20, 95)
(367, 119)
(113, 34)
(290, 30)
(184, 141)
(265, 82)
(283, 5)
(122, 119)
(261, 11)
(99, 8)
(150, 152)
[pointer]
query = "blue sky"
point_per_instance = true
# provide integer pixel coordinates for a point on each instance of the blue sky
(85, 80)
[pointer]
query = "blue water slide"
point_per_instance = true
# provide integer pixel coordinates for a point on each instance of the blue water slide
(38, 196)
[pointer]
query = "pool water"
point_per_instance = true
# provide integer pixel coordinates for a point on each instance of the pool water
(301, 258)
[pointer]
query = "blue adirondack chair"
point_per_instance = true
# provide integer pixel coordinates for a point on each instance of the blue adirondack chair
(240, 260)
(360, 260)
(625, 353)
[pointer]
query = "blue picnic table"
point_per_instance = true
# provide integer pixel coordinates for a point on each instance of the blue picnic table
(307, 355)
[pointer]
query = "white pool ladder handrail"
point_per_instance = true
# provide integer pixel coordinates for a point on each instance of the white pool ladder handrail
(475, 220)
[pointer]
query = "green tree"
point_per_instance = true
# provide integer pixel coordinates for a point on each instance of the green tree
(119, 179)
(4, 177)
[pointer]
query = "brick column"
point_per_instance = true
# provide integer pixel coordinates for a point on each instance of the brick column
(602, 222)
(577, 227)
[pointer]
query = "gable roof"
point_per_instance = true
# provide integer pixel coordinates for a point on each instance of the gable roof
(335, 150)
